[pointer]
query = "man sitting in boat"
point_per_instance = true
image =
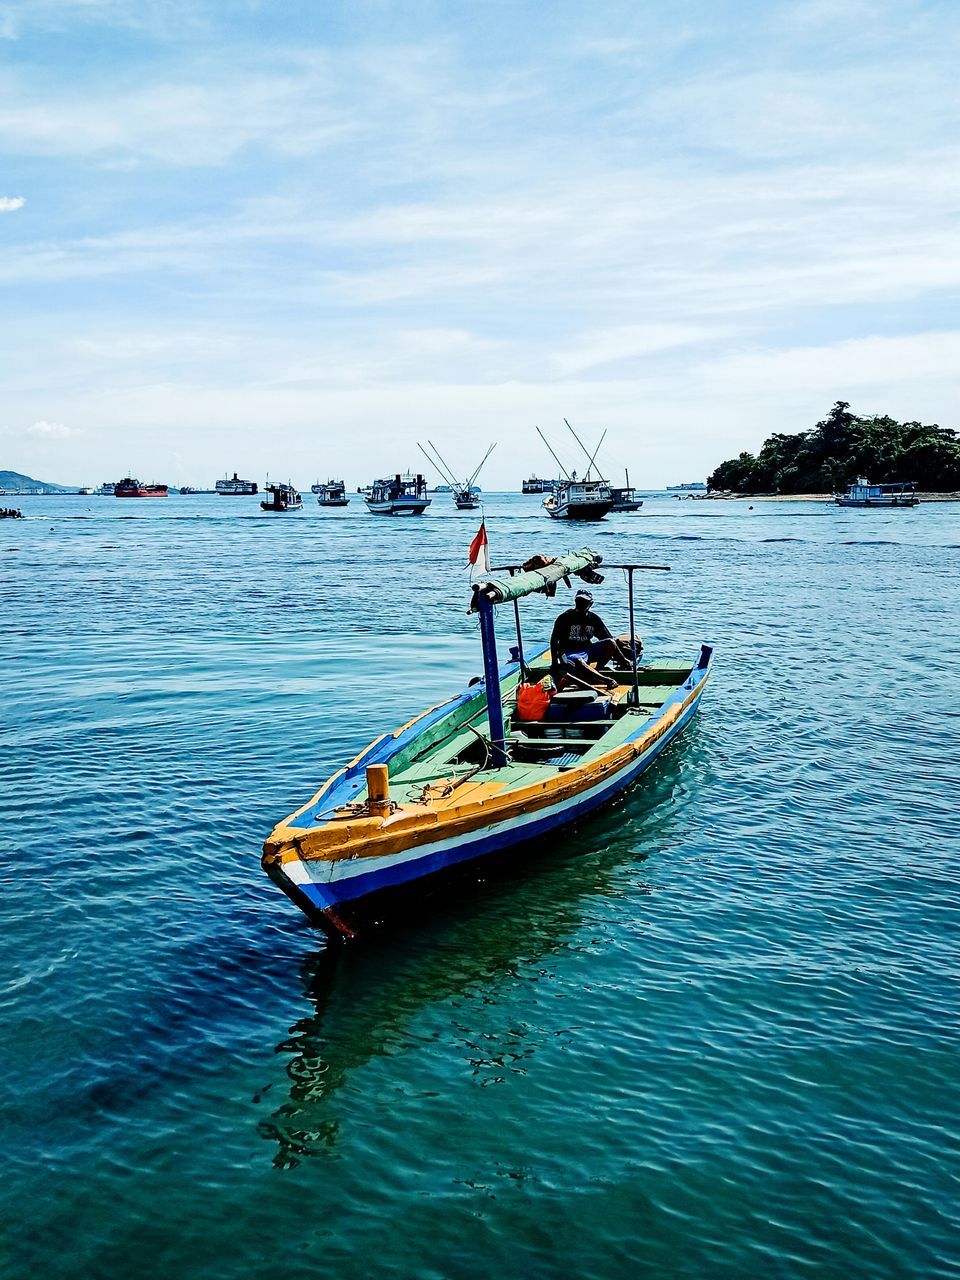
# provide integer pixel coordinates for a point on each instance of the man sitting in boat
(582, 645)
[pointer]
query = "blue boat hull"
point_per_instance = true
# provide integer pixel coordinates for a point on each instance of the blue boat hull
(345, 906)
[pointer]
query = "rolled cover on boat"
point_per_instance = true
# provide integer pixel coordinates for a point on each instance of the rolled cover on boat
(499, 590)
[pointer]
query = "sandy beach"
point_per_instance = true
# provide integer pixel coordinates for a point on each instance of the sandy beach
(819, 497)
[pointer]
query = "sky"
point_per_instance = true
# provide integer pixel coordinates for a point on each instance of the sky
(297, 238)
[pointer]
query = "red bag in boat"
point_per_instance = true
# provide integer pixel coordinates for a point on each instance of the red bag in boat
(532, 702)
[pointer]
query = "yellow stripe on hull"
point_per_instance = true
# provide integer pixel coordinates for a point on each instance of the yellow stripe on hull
(473, 806)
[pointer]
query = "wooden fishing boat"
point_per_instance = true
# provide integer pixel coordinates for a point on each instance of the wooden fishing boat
(625, 497)
(573, 499)
(579, 500)
(403, 495)
(468, 779)
(283, 497)
(863, 494)
(331, 494)
(466, 494)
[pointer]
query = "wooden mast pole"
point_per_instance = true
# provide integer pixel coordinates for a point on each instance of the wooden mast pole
(491, 680)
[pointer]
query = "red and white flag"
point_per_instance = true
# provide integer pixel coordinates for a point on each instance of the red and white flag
(480, 553)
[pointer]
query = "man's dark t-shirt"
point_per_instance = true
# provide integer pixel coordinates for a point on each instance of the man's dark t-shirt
(574, 632)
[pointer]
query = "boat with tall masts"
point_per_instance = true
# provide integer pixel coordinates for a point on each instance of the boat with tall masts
(465, 494)
(573, 499)
(477, 775)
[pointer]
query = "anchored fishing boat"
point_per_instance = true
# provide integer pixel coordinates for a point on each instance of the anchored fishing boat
(470, 778)
(466, 494)
(574, 499)
(400, 495)
(283, 497)
(331, 494)
(625, 496)
(863, 494)
(579, 500)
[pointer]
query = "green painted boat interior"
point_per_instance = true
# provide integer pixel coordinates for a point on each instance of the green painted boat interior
(455, 750)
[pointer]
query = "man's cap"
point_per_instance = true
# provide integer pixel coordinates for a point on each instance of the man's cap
(584, 595)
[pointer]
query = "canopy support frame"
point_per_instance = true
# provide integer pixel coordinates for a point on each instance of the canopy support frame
(491, 680)
(633, 698)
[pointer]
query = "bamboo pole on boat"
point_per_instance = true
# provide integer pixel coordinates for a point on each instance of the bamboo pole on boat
(516, 617)
(635, 691)
(590, 458)
(555, 458)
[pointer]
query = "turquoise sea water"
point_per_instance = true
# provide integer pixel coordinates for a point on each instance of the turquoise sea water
(711, 1033)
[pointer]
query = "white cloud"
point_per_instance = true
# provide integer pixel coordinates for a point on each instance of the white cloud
(856, 366)
(9, 203)
(701, 227)
(608, 346)
(53, 431)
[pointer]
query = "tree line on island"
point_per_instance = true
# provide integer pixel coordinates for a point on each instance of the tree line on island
(841, 448)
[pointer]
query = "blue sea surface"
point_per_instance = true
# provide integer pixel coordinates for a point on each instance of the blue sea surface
(710, 1032)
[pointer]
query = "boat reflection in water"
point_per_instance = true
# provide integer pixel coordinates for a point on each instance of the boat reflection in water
(451, 980)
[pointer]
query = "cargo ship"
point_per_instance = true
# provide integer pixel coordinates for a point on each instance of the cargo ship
(130, 488)
(235, 487)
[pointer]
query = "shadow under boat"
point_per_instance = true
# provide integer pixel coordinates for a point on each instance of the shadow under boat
(366, 1000)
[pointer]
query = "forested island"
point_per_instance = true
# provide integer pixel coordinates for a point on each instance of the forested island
(842, 447)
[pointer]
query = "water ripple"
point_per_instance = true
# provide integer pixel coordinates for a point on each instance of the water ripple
(709, 1032)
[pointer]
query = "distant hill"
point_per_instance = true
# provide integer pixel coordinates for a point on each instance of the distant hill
(17, 480)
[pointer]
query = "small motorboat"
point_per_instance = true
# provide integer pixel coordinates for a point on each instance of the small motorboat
(283, 497)
(470, 777)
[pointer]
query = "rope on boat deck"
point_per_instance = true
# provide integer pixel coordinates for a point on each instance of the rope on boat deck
(449, 787)
(352, 809)
(357, 808)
